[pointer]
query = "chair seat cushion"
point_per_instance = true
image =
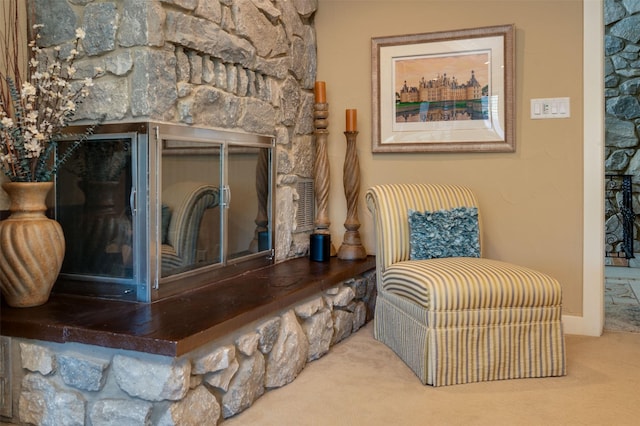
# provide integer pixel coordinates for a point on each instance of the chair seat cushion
(459, 283)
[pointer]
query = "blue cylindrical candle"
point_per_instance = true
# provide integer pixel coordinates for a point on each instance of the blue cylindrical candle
(263, 241)
(320, 247)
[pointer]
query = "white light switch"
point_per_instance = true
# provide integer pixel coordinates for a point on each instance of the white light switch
(550, 108)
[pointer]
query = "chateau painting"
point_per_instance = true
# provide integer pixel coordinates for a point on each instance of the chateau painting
(442, 87)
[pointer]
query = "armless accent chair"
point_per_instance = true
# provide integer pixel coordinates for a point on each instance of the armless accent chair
(459, 319)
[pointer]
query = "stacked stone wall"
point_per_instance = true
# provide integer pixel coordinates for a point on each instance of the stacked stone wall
(76, 384)
(622, 90)
(246, 65)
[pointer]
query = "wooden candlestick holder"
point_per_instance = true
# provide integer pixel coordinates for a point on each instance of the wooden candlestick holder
(321, 171)
(351, 247)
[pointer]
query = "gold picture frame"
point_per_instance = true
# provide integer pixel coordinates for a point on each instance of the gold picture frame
(450, 91)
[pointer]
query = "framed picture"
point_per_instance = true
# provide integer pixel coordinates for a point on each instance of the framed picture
(449, 91)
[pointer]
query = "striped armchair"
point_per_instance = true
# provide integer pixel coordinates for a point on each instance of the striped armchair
(188, 202)
(459, 319)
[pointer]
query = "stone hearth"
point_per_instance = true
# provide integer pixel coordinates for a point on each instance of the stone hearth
(82, 361)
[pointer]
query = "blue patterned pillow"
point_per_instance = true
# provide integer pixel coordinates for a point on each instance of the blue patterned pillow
(444, 233)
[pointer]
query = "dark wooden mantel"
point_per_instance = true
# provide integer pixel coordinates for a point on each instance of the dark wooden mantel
(177, 325)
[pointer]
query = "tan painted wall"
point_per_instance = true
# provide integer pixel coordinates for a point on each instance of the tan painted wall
(531, 199)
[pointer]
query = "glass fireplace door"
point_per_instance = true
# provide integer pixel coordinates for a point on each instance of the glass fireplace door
(191, 207)
(249, 184)
(94, 205)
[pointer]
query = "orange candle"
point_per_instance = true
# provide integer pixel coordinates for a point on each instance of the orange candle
(352, 120)
(321, 92)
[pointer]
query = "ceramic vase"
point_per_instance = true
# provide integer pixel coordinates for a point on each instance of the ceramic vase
(31, 246)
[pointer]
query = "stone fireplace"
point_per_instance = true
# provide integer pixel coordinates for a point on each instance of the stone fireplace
(242, 65)
(231, 65)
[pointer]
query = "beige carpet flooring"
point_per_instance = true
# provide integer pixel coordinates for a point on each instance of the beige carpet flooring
(362, 382)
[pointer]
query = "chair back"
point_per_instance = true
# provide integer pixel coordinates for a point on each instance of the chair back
(390, 204)
(189, 200)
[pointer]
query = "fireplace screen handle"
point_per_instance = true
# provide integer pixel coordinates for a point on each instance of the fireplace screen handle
(132, 201)
(226, 196)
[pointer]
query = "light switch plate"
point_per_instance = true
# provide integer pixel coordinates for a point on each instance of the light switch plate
(550, 108)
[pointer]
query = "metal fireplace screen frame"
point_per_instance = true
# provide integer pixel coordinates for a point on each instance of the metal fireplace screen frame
(121, 246)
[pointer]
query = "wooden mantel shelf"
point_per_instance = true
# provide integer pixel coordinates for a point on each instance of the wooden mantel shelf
(177, 325)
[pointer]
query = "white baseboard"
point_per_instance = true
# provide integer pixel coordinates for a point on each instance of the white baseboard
(580, 325)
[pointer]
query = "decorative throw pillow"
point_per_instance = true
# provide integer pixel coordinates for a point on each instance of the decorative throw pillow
(444, 233)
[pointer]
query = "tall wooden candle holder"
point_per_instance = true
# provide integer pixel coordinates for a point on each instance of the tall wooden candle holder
(351, 248)
(321, 171)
